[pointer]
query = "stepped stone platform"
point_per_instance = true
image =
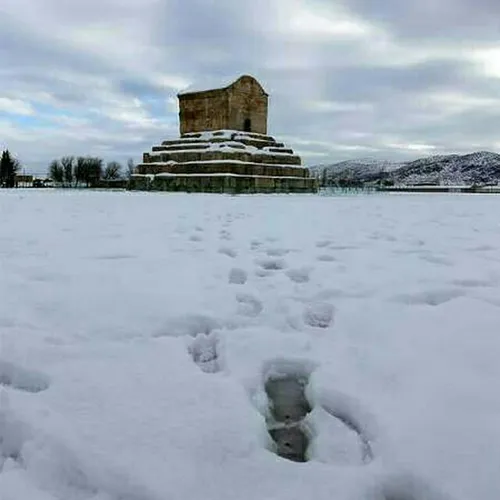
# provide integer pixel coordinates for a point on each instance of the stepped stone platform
(223, 160)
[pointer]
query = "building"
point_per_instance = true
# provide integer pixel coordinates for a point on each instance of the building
(223, 147)
(241, 105)
(23, 180)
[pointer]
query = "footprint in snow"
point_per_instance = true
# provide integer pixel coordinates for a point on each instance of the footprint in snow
(22, 379)
(319, 314)
(195, 237)
(299, 275)
(323, 243)
(248, 305)
(305, 426)
(13, 434)
(326, 258)
(204, 350)
(271, 264)
(237, 276)
(284, 384)
(255, 244)
(225, 235)
(230, 252)
(277, 252)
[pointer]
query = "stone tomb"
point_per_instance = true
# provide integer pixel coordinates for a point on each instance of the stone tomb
(223, 147)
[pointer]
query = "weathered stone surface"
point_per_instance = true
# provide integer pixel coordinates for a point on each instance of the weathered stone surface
(222, 168)
(224, 184)
(227, 154)
(239, 106)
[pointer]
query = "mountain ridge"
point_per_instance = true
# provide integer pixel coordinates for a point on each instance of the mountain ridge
(476, 168)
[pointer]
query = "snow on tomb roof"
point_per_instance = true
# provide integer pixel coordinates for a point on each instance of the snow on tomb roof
(211, 84)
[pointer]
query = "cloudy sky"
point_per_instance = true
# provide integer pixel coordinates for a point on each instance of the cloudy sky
(347, 78)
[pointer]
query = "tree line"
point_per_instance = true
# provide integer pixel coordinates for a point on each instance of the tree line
(88, 171)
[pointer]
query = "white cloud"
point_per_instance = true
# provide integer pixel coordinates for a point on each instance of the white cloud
(413, 147)
(487, 60)
(15, 106)
(338, 106)
(305, 22)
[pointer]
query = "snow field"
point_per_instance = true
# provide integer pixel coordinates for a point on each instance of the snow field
(147, 339)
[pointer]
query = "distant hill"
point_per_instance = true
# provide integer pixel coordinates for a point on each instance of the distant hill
(482, 167)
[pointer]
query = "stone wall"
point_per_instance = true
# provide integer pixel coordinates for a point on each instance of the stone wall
(222, 168)
(203, 111)
(233, 108)
(224, 184)
(204, 155)
(247, 100)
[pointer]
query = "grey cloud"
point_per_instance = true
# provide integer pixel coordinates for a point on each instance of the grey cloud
(360, 83)
(477, 20)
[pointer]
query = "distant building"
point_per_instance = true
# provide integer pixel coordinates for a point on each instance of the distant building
(223, 147)
(23, 180)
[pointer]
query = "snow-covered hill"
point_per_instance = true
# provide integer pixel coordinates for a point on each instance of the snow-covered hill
(360, 170)
(482, 167)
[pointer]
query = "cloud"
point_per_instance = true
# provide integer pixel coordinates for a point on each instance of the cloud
(15, 106)
(346, 78)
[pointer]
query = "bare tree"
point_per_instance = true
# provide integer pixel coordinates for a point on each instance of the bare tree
(130, 168)
(93, 170)
(80, 170)
(112, 171)
(56, 172)
(67, 163)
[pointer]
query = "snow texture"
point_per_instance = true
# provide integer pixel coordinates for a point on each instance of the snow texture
(142, 335)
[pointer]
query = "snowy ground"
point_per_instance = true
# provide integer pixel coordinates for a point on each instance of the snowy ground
(138, 331)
